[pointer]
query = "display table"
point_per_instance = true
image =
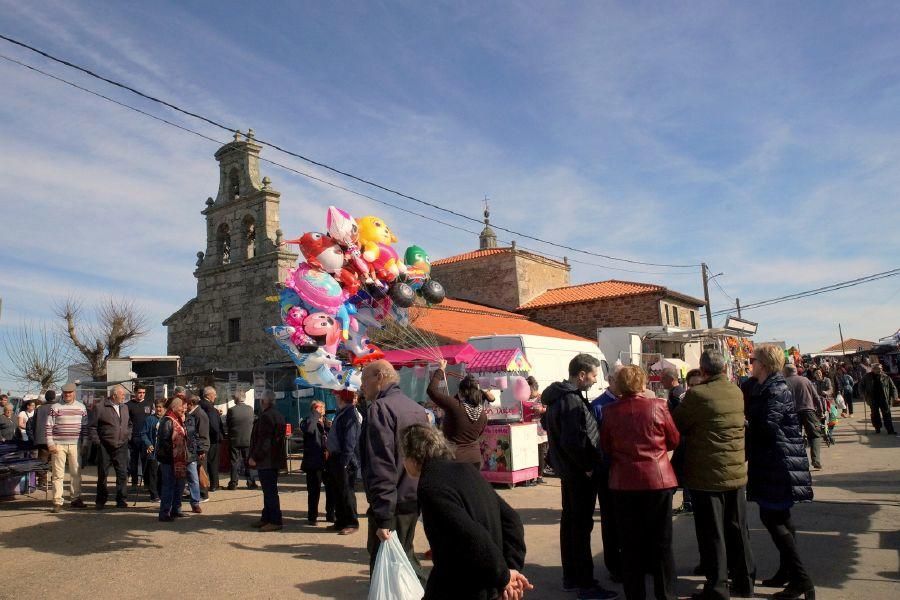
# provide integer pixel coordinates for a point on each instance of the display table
(509, 453)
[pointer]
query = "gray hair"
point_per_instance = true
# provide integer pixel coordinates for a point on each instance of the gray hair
(207, 390)
(671, 373)
(712, 362)
(422, 443)
(268, 396)
(790, 369)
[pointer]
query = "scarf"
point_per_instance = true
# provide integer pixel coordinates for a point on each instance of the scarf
(473, 411)
(179, 446)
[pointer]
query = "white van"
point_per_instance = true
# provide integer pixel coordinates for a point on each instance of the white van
(549, 357)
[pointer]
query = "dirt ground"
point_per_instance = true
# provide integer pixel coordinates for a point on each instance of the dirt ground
(849, 537)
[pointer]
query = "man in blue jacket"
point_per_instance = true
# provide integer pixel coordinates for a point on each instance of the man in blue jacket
(343, 462)
(390, 490)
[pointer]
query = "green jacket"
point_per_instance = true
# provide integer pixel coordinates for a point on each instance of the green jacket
(711, 421)
(870, 380)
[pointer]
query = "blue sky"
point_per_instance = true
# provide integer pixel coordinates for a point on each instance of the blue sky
(759, 137)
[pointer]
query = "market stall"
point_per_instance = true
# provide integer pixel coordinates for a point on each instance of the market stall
(509, 446)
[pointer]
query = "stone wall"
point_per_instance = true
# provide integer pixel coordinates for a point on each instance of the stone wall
(506, 280)
(199, 332)
(489, 280)
(684, 314)
(584, 318)
(537, 275)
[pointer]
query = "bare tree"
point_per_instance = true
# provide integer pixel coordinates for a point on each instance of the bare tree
(38, 356)
(114, 326)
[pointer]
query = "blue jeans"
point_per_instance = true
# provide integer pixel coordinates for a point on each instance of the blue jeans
(172, 489)
(193, 482)
(271, 513)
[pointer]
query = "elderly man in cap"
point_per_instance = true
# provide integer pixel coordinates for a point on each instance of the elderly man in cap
(110, 428)
(66, 429)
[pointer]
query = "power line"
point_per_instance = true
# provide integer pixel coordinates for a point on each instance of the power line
(311, 161)
(303, 173)
(721, 289)
(815, 292)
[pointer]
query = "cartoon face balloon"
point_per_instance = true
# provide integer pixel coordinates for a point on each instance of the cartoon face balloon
(372, 232)
(342, 226)
(417, 257)
(322, 252)
(317, 288)
(324, 326)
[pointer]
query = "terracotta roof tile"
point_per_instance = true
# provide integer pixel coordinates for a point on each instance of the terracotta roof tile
(851, 345)
(597, 290)
(456, 321)
(470, 256)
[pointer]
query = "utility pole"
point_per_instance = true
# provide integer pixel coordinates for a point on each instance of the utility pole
(706, 295)
(737, 302)
(841, 332)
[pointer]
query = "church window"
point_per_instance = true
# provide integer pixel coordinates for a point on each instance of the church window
(234, 183)
(249, 237)
(234, 330)
(223, 241)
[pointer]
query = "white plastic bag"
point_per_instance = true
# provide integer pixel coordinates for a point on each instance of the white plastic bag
(393, 577)
(839, 401)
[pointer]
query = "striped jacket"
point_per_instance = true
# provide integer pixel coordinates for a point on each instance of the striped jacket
(67, 423)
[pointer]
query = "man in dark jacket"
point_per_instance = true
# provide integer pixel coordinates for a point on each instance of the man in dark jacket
(239, 425)
(711, 421)
(575, 455)
(268, 455)
(41, 413)
(390, 490)
(879, 392)
(343, 462)
(809, 407)
(139, 408)
(216, 434)
(196, 425)
(315, 430)
(110, 428)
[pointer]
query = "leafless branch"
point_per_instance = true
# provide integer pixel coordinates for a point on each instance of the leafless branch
(38, 356)
(116, 325)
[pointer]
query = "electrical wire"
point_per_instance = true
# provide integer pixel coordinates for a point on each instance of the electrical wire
(814, 292)
(326, 166)
(721, 289)
(309, 175)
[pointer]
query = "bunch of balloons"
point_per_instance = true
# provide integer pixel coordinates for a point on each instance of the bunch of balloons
(351, 280)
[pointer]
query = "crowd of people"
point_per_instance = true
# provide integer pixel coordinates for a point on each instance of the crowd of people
(729, 444)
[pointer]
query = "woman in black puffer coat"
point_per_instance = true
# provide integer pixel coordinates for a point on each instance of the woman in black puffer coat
(778, 470)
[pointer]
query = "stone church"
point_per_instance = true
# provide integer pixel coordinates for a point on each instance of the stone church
(222, 327)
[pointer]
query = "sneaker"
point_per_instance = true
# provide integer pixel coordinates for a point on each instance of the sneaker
(270, 527)
(540, 481)
(56, 508)
(77, 503)
(154, 499)
(195, 508)
(596, 593)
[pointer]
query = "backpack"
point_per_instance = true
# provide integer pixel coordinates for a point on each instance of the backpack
(30, 426)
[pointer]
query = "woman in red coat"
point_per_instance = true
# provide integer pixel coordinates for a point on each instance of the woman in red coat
(636, 434)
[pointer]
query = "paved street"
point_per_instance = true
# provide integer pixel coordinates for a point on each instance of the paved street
(849, 537)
